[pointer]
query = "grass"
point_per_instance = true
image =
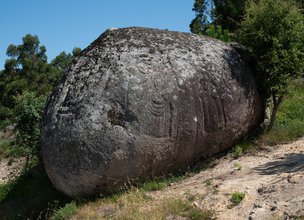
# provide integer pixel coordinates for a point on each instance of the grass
(65, 212)
(237, 197)
(161, 183)
(137, 204)
(208, 182)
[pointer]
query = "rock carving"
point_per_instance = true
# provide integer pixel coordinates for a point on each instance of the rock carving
(142, 102)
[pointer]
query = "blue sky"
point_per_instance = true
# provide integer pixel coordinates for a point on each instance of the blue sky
(62, 25)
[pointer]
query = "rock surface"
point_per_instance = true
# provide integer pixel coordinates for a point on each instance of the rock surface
(142, 102)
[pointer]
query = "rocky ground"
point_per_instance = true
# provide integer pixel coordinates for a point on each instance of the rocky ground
(272, 181)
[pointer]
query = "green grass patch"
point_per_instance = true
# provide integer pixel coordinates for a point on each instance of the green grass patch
(65, 212)
(160, 183)
(237, 197)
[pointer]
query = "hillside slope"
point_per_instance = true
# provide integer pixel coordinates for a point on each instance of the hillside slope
(271, 180)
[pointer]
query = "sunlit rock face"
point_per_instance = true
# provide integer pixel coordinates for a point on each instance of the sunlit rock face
(142, 102)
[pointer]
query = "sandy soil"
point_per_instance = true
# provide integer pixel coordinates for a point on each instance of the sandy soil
(272, 181)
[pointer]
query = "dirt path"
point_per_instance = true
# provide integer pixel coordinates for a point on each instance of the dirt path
(272, 181)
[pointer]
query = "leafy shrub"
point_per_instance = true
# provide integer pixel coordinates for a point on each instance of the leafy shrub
(27, 117)
(237, 197)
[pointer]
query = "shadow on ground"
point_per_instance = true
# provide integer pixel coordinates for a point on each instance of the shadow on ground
(30, 197)
(292, 163)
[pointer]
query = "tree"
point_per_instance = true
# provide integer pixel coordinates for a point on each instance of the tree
(212, 21)
(199, 24)
(273, 30)
(62, 61)
(229, 13)
(26, 69)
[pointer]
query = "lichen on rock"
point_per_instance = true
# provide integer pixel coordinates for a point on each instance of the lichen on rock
(142, 102)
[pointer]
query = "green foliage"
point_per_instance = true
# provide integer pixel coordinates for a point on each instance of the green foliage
(160, 183)
(4, 190)
(4, 149)
(237, 197)
(229, 13)
(25, 70)
(289, 124)
(65, 212)
(199, 24)
(218, 33)
(274, 31)
(27, 117)
(62, 61)
(238, 151)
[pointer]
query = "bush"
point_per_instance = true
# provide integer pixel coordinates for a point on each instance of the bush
(27, 117)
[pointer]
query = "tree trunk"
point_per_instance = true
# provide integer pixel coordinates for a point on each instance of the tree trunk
(276, 105)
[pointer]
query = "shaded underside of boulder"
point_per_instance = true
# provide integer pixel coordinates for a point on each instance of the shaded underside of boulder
(142, 102)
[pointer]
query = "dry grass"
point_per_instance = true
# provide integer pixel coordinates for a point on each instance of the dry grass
(137, 205)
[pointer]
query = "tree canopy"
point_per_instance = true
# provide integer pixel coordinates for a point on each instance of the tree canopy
(273, 30)
(27, 69)
(217, 18)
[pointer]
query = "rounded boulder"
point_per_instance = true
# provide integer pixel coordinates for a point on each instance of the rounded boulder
(139, 103)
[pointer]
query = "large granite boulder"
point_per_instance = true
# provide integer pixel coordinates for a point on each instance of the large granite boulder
(142, 102)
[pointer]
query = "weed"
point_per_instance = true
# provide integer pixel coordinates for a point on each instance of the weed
(65, 212)
(237, 151)
(184, 209)
(154, 185)
(160, 183)
(208, 182)
(237, 197)
(237, 166)
(190, 197)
